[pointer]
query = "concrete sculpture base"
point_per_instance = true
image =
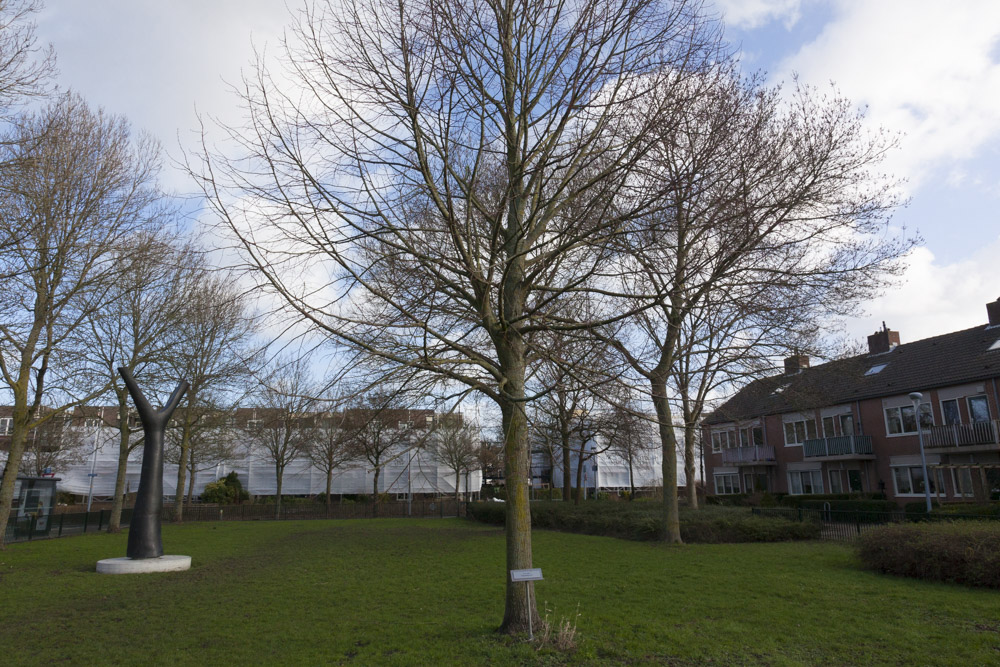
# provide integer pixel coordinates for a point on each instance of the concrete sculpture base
(139, 565)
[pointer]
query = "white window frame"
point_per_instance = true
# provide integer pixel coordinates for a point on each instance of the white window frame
(717, 440)
(795, 433)
(957, 486)
(902, 424)
(6, 425)
(935, 473)
(968, 406)
(814, 475)
(734, 483)
(837, 474)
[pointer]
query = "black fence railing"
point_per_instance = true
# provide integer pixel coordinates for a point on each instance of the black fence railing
(32, 527)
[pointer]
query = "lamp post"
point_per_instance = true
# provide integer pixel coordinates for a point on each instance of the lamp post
(915, 397)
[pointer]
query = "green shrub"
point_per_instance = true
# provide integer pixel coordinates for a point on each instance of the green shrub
(218, 492)
(878, 506)
(644, 521)
(730, 500)
(968, 509)
(820, 498)
(964, 552)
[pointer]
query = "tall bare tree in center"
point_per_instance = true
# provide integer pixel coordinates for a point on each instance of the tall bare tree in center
(445, 172)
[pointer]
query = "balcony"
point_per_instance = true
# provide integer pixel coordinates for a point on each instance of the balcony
(980, 436)
(748, 456)
(840, 447)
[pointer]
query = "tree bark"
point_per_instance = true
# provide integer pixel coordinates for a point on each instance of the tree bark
(520, 603)
(124, 440)
(671, 517)
(21, 417)
(689, 466)
(182, 471)
(279, 473)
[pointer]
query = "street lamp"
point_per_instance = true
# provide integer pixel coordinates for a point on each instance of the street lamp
(915, 397)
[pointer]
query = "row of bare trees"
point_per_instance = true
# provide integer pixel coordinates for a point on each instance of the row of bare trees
(93, 274)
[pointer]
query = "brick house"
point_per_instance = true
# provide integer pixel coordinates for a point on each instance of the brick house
(850, 425)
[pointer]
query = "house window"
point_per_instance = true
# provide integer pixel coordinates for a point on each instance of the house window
(949, 412)
(754, 481)
(253, 424)
(961, 479)
(979, 409)
(828, 429)
(909, 481)
(721, 440)
(805, 482)
(836, 481)
(797, 432)
(6, 425)
(901, 420)
(91, 423)
(727, 484)
(847, 424)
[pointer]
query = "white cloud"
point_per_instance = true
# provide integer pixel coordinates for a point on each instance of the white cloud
(749, 14)
(935, 298)
(923, 67)
(155, 61)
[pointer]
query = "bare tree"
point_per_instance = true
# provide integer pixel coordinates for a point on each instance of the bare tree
(134, 330)
(456, 445)
(286, 417)
(330, 447)
(758, 189)
(53, 445)
(458, 167)
(78, 184)
(379, 431)
(212, 349)
(631, 438)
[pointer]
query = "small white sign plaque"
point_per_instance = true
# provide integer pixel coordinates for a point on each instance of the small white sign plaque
(534, 574)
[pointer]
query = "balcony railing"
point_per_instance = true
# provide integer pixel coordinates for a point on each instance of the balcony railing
(841, 445)
(745, 455)
(964, 435)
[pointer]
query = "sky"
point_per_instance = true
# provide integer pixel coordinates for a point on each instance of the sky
(928, 70)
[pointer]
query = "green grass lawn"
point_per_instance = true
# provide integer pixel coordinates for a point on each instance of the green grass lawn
(422, 592)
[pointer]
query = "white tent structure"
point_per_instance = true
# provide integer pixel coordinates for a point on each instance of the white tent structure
(603, 470)
(415, 471)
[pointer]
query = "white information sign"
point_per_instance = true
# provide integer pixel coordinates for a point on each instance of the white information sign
(533, 574)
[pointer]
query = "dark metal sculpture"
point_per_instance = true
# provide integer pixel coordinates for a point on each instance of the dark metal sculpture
(144, 530)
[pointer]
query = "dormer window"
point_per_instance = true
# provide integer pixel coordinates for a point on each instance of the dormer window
(874, 370)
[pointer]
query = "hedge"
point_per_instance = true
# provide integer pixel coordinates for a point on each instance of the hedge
(963, 552)
(644, 522)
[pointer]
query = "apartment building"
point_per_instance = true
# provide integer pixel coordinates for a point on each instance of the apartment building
(851, 424)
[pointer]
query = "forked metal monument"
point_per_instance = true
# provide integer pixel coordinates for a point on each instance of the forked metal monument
(145, 545)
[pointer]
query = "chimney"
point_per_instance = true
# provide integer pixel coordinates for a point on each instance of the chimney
(795, 363)
(882, 341)
(993, 311)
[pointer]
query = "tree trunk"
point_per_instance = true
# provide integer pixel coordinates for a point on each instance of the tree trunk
(182, 472)
(19, 437)
(689, 466)
(190, 493)
(668, 440)
(631, 478)
(580, 462)
(520, 604)
(124, 440)
(279, 472)
(458, 486)
(329, 485)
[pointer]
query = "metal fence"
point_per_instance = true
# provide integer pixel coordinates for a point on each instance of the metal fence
(847, 525)
(28, 528)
